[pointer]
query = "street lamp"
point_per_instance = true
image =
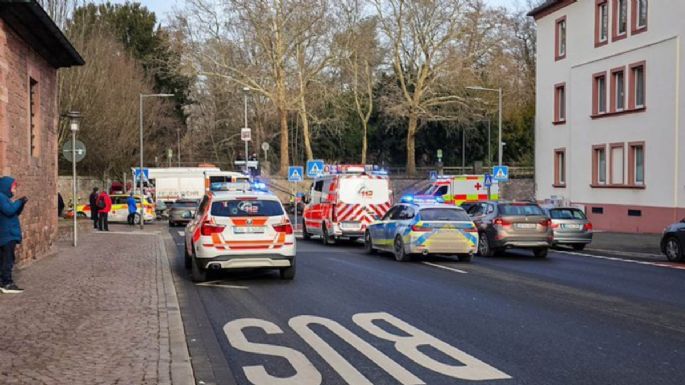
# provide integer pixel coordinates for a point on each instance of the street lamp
(499, 141)
(246, 90)
(74, 126)
(142, 200)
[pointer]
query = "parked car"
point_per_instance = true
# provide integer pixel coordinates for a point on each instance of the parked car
(412, 228)
(238, 230)
(570, 227)
(503, 225)
(182, 211)
(162, 210)
(673, 242)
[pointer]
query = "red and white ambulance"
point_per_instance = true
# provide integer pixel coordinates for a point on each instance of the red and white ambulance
(344, 201)
(461, 188)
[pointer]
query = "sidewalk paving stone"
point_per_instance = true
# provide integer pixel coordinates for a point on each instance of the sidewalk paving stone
(103, 313)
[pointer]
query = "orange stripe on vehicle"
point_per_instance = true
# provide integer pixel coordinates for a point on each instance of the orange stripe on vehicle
(472, 178)
(257, 221)
(216, 239)
(482, 197)
(281, 238)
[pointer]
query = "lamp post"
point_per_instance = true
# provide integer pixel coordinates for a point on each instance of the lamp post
(74, 125)
(246, 90)
(142, 198)
(499, 141)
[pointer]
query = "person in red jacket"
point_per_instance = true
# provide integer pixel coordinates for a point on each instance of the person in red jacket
(104, 206)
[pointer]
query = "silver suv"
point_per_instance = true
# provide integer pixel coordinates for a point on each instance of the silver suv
(503, 225)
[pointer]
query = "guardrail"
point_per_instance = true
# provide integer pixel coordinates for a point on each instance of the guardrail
(514, 172)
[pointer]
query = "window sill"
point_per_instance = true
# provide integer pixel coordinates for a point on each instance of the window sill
(620, 186)
(638, 30)
(559, 122)
(556, 185)
(601, 43)
(558, 58)
(618, 113)
(618, 37)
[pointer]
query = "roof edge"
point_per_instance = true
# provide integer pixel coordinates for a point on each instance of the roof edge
(50, 24)
(548, 7)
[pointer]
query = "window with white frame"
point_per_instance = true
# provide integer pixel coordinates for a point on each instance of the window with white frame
(603, 10)
(622, 21)
(641, 13)
(620, 92)
(639, 84)
(617, 165)
(638, 164)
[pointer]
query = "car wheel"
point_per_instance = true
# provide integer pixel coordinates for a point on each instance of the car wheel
(672, 249)
(197, 273)
(368, 244)
(187, 258)
(400, 254)
(465, 257)
(305, 233)
(328, 240)
(484, 247)
(540, 253)
(288, 273)
(579, 247)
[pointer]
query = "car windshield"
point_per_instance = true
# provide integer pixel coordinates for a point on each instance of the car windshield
(520, 209)
(443, 214)
(247, 208)
(185, 204)
(566, 214)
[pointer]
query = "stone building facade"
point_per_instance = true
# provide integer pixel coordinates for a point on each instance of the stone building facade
(32, 49)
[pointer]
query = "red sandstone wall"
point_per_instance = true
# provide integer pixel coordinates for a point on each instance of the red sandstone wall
(37, 175)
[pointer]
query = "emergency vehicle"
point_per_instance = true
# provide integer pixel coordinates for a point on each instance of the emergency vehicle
(461, 188)
(239, 229)
(225, 180)
(343, 202)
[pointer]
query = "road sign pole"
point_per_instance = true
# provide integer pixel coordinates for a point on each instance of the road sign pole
(73, 171)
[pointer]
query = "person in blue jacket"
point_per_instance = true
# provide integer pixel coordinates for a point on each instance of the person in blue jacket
(10, 232)
(132, 209)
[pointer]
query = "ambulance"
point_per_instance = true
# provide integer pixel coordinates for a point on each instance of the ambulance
(462, 188)
(225, 181)
(344, 201)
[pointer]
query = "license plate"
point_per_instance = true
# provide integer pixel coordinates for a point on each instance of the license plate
(526, 226)
(570, 226)
(249, 230)
(349, 225)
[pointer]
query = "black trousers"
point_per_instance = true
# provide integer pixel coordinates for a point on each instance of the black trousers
(131, 218)
(103, 224)
(7, 262)
(94, 217)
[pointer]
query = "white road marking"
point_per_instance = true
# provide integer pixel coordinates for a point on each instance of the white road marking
(221, 284)
(182, 233)
(658, 264)
(445, 267)
(626, 253)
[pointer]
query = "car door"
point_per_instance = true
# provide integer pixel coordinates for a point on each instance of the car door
(194, 225)
(393, 223)
(313, 214)
(378, 229)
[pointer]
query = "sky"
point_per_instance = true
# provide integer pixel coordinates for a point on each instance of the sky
(164, 7)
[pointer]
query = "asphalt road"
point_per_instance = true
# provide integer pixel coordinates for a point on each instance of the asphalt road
(349, 317)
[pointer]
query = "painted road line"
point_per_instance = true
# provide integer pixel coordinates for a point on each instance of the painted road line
(221, 284)
(445, 268)
(182, 233)
(658, 264)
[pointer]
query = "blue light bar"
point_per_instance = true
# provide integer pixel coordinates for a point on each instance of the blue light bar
(407, 199)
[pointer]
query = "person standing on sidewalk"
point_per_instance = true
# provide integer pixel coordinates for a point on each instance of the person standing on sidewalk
(10, 232)
(132, 209)
(104, 206)
(93, 199)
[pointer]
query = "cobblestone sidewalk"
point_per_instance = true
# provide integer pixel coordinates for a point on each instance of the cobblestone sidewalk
(105, 313)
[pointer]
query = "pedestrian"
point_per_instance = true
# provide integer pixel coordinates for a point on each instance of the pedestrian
(60, 205)
(132, 209)
(104, 205)
(92, 199)
(10, 232)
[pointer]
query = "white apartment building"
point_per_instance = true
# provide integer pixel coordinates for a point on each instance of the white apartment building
(609, 136)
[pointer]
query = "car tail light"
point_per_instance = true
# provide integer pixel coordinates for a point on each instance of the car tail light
(588, 226)
(420, 228)
(555, 225)
(209, 229)
(284, 228)
(501, 222)
(546, 223)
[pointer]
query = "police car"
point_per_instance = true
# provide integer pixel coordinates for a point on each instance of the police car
(423, 227)
(239, 229)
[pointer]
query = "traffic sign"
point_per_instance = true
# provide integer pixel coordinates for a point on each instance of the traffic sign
(433, 175)
(245, 134)
(487, 182)
(314, 168)
(265, 146)
(500, 173)
(136, 174)
(295, 174)
(80, 151)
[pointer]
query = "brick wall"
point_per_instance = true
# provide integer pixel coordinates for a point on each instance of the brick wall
(36, 173)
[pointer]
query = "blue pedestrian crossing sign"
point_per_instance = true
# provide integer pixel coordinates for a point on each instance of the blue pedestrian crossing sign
(314, 168)
(295, 174)
(500, 173)
(433, 175)
(487, 181)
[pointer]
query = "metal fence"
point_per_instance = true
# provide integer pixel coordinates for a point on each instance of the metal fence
(514, 172)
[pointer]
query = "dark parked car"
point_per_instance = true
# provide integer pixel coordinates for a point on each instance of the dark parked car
(673, 242)
(571, 227)
(503, 225)
(182, 211)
